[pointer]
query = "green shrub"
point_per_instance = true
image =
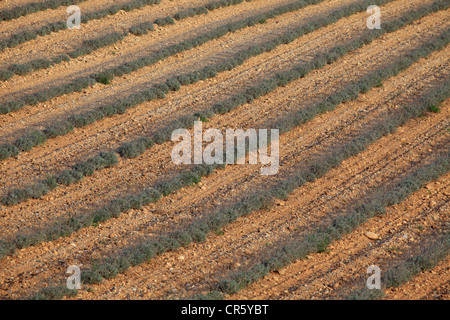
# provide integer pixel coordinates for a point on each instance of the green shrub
(367, 294)
(150, 196)
(15, 196)
(5, 75)
(103, 41)
(168, 186)
(38, 190)
(8, 150)
(35, 191)
(164, 21)
(141, 254)
(135, 201)
(109, 159)
(190, 13)
(198, 235)
(40, 64)
(104, 77)
(6, 248)
(58, 129)
(84, 119)
(106, 270)
(108, 111)
(162, 87)
(213, 295)
(68, 177)
(173, 84)
(22, 241)
(61, 58)
(141, 28)
(54, 293)
(50, 182)
(21, 69)
(102, 160)
(434, 109)
(184, 80)
(12, 106)
(169, 244)
(85, 168)
(182, 237)
(101, 215)
(80, 52)
(90, 277)
(228, 286)
(31, 140)
(136, 148)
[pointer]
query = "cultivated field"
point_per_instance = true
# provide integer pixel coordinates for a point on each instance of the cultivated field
(87, 176)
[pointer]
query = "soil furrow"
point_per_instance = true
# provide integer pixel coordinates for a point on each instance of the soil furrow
(430, 285)
(63, 201)
(321, 275)
(110, 225)
(160, 160)
(184, 269)
(130, 48)
(129, 127)
(243, 243)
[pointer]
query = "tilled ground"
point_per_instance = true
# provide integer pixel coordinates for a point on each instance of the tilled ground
(187, 271)
(75, 147)
(197, 267)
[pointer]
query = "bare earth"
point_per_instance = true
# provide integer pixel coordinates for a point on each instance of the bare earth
(197, 268)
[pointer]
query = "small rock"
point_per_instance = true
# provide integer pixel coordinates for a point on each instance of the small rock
(280, 203)
(371, 235)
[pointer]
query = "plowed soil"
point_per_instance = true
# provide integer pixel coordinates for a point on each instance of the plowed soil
(196, 268)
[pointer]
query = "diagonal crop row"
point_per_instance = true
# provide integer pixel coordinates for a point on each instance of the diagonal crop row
(314, 242)
(159, 90)
(33, 7)
(194, 176)
(103, 41)
(25, 36)
(137, 147)
(199, 230)
(318, 240)
(67, 177)
(106, 76)
(8, 150)
(405, 271)
(111, 210)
